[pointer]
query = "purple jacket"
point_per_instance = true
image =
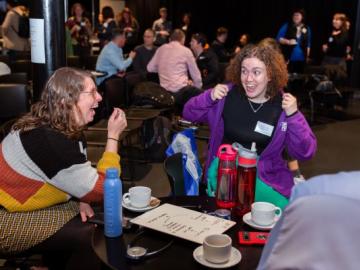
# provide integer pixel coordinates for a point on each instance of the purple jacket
(291, 132)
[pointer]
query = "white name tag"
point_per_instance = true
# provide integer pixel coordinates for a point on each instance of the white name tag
(264, 128)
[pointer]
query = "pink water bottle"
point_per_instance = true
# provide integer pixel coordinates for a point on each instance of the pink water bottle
(246, 178)
(226, 189)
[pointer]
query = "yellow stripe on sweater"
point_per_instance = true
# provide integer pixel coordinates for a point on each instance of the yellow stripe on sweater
(46, 196)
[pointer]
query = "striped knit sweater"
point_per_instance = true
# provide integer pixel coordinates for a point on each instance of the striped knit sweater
(42, 167)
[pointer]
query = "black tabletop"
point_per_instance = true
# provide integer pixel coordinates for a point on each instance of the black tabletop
(179, 255)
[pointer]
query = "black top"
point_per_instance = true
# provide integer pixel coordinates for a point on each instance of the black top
(142, 59)
(240, 120)
(208, 65)
(221, 52)
(337, 44)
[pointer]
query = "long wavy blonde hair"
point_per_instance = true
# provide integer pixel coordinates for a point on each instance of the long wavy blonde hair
(56, 106)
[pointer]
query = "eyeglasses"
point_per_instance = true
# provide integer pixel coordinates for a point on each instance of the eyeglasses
(93, 92)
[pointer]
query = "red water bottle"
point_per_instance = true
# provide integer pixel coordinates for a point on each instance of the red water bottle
(226, 189)
(246, 178)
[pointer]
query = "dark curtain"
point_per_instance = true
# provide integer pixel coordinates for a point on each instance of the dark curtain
(259, 18)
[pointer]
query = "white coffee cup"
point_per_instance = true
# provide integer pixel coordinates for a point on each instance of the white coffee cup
(138, 197)
(217, 248)
(264, 213)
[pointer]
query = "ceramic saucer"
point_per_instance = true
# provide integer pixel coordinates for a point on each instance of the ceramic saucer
(235, 258)
(127, 205)
(248, 220)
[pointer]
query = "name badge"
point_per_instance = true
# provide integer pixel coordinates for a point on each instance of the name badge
(264, 128)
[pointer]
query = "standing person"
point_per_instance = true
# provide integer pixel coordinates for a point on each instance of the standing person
(295, 40)
(335, 48)
(173, 62)
(162, 27)
(46, 181)
(243, 41)
(218, 45)
(111, 59)
(80, 30)
(106, 26)
(186, 27)
(253, 108)
(144, 53)
(14, 40)
(206, 60)
(131, 27)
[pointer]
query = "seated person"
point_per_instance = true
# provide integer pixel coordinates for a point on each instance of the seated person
(173, 62)
(323, 201)
(218, 45)
(144, 53)
(206, 61)
(111, 59)
(46, 179)
(253, 108)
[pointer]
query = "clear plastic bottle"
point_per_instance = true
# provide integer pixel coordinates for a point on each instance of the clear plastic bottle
(112, 203)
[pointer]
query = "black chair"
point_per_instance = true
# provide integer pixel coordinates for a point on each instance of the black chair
(90, 63)
(14, 101)
(173, 166)
(22, 66)
(18, 78)
(73, 61)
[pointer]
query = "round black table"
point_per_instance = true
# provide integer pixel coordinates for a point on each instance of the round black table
(179, 255)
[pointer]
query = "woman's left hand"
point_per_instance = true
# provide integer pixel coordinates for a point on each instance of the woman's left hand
(289, 104)
(85, 211)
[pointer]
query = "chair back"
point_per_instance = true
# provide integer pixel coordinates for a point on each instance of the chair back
(173, 166)
(13, 100)
(18, 78)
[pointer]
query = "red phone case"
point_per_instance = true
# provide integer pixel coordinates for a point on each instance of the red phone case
(253, 238)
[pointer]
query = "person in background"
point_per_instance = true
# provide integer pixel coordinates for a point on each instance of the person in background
(243, 41)
(173, 62)
(80, 30)
(206, 60)
(186, 27)
(47, 183)
(295, 40)
(162, 27)
(111, 59)
(13, 44)
(335, 49)
(131, 27)
(106, 26)
(218, 45)
(144, 53)
(253, 108)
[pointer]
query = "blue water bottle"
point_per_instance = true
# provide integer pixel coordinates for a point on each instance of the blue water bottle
(112, 203)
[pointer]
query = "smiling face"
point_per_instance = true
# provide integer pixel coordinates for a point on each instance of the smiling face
(297, 18)
(254, 79)
(337, 22)
(88, 101)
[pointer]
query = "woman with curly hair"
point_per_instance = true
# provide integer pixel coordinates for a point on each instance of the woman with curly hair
(130, 25)
(46, 181)
(253, 108)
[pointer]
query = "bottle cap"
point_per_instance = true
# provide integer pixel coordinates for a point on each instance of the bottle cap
(112, 173)
(226, 152)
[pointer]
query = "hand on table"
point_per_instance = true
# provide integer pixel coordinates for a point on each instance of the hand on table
(85, 211)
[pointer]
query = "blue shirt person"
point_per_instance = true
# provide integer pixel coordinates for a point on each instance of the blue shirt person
(111, 59)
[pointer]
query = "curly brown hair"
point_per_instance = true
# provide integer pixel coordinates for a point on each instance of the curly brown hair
(274, 62)
(56, 106)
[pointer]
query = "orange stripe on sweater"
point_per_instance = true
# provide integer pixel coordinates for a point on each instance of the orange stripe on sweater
(21, 188)
(97, 193)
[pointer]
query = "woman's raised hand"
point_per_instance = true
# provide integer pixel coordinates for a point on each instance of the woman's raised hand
(219, 92)
(117, 123)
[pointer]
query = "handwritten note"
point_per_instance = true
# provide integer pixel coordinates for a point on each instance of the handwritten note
(184, 223)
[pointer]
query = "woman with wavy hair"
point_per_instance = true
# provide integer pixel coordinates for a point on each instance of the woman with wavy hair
(130, 25)
(46, 179)
(253, 108)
